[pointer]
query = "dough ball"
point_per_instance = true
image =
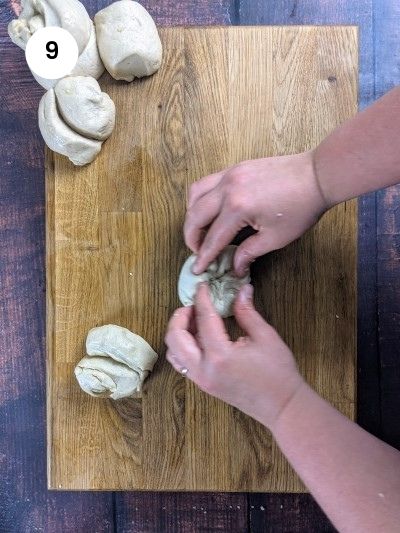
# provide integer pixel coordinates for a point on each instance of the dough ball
(89, 63)
(117, 364)
(68, 14)
(128, 40)
(223, 283)
(61, 138)
(85, 108)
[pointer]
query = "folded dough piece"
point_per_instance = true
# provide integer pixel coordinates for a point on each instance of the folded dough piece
(84, 107)
(68, 14)
(89, 63)
(123, 346)
(128, 40)
(223, 283)
(117, 364)
(105, 378)
(60, 137)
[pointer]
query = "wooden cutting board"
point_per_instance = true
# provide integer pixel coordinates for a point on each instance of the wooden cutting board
(115, 248)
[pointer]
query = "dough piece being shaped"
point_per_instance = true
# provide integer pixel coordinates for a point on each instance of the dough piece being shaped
(89, 63)
(60, 137)
(68, 14)
(223, 283)
(128, 40)
(85, 108)
(117, 364)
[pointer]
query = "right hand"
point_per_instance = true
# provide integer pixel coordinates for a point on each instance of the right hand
(257, 373)
(279, 197)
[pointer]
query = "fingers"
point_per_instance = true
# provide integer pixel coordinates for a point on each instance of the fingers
(222, 231)
(198, 217)
(211, 330)
(247, 317)
(180, 341)
(249, 250)
(181, 319)
(203, 186)
(184, 366)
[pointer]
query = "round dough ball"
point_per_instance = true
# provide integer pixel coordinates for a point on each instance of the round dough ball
(128, 40)
(223, 283)
(84, 107)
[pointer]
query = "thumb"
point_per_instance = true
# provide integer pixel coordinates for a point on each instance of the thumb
(249, 250)
(246, 315)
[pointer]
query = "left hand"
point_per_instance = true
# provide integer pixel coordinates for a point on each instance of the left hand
(257, 374)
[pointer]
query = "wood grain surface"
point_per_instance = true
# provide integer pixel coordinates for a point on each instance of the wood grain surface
(25, 504)
(115, 249)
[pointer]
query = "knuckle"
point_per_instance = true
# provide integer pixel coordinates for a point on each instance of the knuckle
(235, 201)
(238, 176)
(243, 307)
(219, 365)
(247, 254)
(209, 245)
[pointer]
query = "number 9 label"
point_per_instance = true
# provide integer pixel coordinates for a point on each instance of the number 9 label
(51, 53)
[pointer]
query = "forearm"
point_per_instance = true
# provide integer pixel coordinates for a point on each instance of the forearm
(363, 154)
(353, 476)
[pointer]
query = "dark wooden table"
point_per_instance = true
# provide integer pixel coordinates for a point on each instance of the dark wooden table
(25, 503)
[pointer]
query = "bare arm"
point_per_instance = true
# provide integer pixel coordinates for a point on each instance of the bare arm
(363, 154)
(281, 197)
(352, 475)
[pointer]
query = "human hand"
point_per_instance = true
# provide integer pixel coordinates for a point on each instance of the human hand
(257, 374)
(278, 196)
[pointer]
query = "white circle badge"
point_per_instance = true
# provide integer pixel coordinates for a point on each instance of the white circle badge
(51, 53)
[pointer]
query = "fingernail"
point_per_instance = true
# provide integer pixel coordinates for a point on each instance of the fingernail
(195, 268)
(246, 294)
(200, 286)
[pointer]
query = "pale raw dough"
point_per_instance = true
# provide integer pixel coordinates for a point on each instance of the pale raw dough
(117, 364)
(68, 14)
(223, 283)
(128, 40)
(60, 137)
(84, 107)
(105, 378)
(89, 63)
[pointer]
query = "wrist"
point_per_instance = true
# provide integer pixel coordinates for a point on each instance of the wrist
(293, 404)
(273, 401)
(316, 185)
